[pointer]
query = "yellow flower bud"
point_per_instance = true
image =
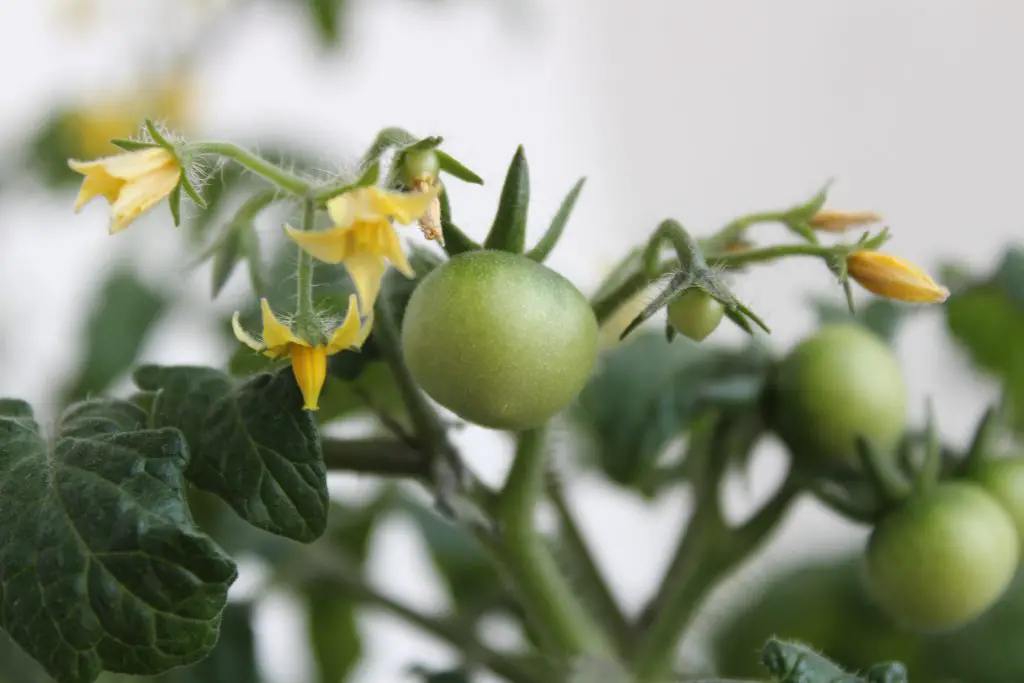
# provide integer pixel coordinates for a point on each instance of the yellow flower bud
(893, 277)
(841, 221)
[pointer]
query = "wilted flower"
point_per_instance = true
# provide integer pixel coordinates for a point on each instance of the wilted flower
(841, 221)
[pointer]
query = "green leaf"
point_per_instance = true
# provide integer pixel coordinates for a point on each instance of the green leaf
(174, 202)
(453, 166)
(252, 444)
(328, 18)
(132, 145)
(1010, 276)
(455, 241)
(882, 316)
(426, 675)
(508, 232)
(227, 256)
(251, 254)
(465, 568)
(234, 658)
(108, 571)
(558, 223)
(123, 316)
(648, 392)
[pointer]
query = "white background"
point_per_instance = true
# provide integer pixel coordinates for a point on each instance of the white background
(696, 110)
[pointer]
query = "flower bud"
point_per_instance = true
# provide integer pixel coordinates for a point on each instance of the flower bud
(893, 277)
(841, 221)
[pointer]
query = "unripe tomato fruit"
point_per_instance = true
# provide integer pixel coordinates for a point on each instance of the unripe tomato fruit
(420, 163)
(1003, 478)
(499, 339)
(695, 314)
(838, 384)
(943, 557)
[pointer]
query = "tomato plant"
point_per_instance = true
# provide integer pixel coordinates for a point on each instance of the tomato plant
(695, 314)
(1003, 478)
(839, 384)
(943, 557)
(498, 339)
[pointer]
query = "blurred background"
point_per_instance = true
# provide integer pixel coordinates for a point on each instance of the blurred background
(698, 110)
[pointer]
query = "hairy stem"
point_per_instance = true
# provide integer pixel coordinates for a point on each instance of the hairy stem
(258, 165)
(304, 277)
(548, 599)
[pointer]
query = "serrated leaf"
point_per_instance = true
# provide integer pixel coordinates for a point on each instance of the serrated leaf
(558, 223)
(174, 202)
(454, 167)
(647, 393)
(252, 444)
(108, 572)
(508, 231)
(124, 313)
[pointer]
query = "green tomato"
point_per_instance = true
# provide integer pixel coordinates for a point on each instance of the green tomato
(499, 339)
(695, 314)
(943, 557)
(420, 163)
(1003, 478)
(841, 383)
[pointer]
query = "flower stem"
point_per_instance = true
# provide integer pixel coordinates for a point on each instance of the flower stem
(304, 278)
(558, 615)
(258, 165)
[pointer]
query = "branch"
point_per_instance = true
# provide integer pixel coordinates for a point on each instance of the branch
(380, 456)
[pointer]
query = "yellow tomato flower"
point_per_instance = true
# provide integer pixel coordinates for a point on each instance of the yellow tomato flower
(841, 221)
(309, 361)
(133, 182)
(893, 277)
(363, 237)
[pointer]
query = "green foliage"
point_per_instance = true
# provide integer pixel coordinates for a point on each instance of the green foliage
(882, 316)
(252, 444)
(647, 392)
(234, 657)
(108, 571)
(119, 324)
(508, 231)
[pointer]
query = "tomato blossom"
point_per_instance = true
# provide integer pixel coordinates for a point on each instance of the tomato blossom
(133, 182)
(892, 277)
(363, 237)
(841, 221)
(309, 361)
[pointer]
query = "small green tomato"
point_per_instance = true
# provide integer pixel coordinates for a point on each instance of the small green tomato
(695, 314)
(499, 339)
(1003, 478)
(418, 164)
(943, 558)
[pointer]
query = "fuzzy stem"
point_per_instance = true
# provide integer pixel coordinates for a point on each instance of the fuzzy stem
(304, 278)
(258, 165)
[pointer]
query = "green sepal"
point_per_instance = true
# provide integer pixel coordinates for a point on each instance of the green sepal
(456, 168)
(174, 202)
(109, 571)
(191, 191)
(508, 231)
(455, 241)
(132, 145)
(386, 139)
(158, 137)
(550, 238)
(252, 444)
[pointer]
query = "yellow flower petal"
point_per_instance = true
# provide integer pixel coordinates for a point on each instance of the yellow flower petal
(391, 248)
(404, 207)
(128, 165)
(349, 334)
(142, 194)
(98, 183)
(346, 208)
(309, 364)
(276, 335)
(330, 246)
(366, 270)
(892, 277)
(243, 336)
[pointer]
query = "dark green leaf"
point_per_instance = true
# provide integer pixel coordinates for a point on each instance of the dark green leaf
(108, 572)
(174, 202)
(426, 675)
(881, 316)
(461, 562)
(124, 314)
(455, 241)
(252, 444)
(647, 392)
(132, 145)
(454, 167)
(558, 223)
(234, 658)
(1010, 276)
(508, 231)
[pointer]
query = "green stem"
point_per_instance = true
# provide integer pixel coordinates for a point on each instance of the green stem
(587, 574)
(708, 553)
(606, 305)
(304, 278)
(258, 165)
(380, 456)
(458, 635)
(737, 228)
(548, 599)
(770, 253)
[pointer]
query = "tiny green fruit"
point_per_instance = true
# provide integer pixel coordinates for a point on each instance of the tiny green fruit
(419, 163)
(943, 557)
(499, 339)
(695, 314)
(839, 384)
(1003, 478)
